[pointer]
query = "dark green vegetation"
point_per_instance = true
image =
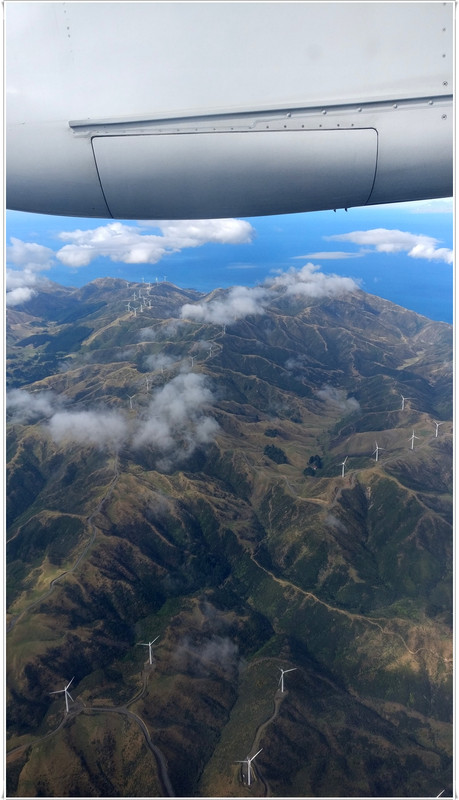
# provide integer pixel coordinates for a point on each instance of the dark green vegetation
(243, 557)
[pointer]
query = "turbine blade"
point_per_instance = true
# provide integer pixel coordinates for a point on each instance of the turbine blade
(58, 691)
(71, 697)
(69, 682)
(251, 759)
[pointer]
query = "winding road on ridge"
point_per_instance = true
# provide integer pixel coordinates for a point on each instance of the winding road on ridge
(82, 708)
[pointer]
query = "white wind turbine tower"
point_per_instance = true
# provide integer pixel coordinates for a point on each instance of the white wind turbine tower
(403, 401)
(67, 695)
(135, 310)
(281, 679)
(147, 381)
(149, 644)
(437, 425)
(192, 358)
(412, 438)
(131, 397)
(128, 306)
(375, 452)
(248, 761)
(342, 465)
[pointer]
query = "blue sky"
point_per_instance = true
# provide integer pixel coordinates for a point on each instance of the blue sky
(402, 252)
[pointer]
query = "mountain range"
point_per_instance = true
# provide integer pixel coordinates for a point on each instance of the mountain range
(262, 479)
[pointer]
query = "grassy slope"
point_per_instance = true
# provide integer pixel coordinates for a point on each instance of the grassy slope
(242, 565)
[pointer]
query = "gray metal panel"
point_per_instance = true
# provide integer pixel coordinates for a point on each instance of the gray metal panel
(227, 174)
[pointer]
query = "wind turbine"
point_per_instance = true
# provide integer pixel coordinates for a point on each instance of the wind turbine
(281, 679)
(135, 310)
(437, 425)
(248, 761)
(376, 451)
(131, 397)
(128, 306)
(403, 401)
(412, 438)
(67, 695)
(149, 644)
(147, 381)
(192, 358)
(342, 465)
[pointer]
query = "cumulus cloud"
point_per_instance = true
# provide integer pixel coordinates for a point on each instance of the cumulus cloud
(18, 296)
(28, 260)
(176, 421)
(131, 245)
(310, 282)
(241, 301)
(237, 303)
(101, 428)
(28, 407)
(29, 255)
(384, 240)
(338, 398)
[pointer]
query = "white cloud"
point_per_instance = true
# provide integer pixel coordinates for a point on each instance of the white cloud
(384, 240)
(19, 296)
(204, 655)
(338, 398)
(159, 361)
(101, 428)
(309, 281)
(330, 254)
(241, 301)
(28, 407)
(29, 259)
(176, 422)
(28, 255)
(237, 303)
(131, 245)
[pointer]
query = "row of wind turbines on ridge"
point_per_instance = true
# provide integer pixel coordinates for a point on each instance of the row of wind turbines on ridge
(411, 439)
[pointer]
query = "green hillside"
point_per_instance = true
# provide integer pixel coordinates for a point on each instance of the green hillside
(172, 477)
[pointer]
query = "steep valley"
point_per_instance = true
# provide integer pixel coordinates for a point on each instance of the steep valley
(249, 491)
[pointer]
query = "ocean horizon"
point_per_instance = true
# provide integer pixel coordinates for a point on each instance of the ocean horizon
(421, 284)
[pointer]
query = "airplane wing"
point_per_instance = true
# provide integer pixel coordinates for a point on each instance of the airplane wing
(156, 110)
